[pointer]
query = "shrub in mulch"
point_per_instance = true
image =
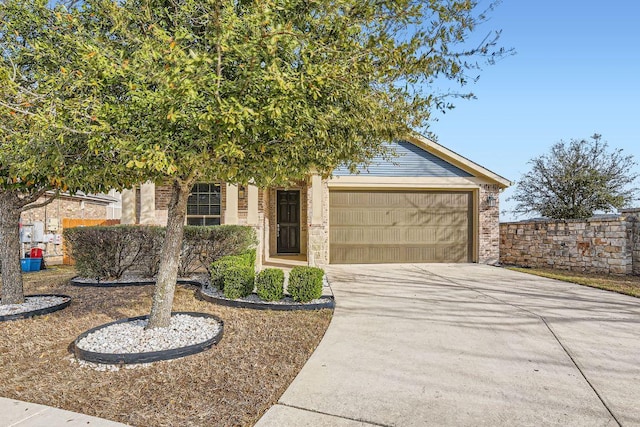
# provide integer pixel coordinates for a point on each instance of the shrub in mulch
(203, 245)
(305, 283)
(219, 267)
(109, 252)
(238, 281)
(232, 384)
(270, 284)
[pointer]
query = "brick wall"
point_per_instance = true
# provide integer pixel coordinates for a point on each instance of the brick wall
(607, 245)
(318, 250)
(61, 208)
(489, 229)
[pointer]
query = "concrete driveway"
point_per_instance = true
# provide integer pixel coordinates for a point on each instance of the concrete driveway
(443, 344)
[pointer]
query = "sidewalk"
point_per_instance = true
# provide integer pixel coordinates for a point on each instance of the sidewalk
(23, 414)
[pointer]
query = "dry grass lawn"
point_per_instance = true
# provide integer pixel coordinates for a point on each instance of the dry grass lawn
(628, 285)
(234, 383)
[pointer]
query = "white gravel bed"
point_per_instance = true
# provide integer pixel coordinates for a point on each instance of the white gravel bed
(32, 304)
(131, 337)
(254, 298)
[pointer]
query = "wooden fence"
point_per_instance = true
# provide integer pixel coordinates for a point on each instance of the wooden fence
(74, 222)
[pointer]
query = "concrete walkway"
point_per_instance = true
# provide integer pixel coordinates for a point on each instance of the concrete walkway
(23, 414)
(419, 345)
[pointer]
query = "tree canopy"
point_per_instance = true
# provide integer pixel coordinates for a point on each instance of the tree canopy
(49, 137)
(577, 179)
(241, 91)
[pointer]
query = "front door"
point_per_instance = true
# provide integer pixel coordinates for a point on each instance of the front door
(288, 228)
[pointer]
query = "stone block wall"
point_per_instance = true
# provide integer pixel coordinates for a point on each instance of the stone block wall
(633, 229)
(489, 230)
(599, 245)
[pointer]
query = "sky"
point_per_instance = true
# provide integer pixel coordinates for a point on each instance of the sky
(576, 72)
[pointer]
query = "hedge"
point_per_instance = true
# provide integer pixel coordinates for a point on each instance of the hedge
(109, 252)
(270, 284)
(238, 281)
(305, 283)
(220, 266)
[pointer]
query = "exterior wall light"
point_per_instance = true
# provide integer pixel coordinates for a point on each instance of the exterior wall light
(492, 201)
(241, 191)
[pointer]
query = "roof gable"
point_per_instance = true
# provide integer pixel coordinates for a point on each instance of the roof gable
(410, 160)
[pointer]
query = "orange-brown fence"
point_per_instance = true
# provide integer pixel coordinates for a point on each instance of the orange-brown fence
(73, 222)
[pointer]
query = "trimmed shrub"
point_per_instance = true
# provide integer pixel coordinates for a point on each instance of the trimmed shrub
(107, 252)
(204, 245)
(220, 266)
(305, 283)
(270, 284)
(238, 281)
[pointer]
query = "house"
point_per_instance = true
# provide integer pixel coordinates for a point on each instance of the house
(429, 204)
(42, 227)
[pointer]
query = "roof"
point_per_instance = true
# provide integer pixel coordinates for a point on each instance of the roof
(96, 198)
(458, 160)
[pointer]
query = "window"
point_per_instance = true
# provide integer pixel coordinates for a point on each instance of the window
(203, 206)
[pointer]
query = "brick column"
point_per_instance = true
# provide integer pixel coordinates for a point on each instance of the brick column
(148, 203)
(128, 207)
(231, 207)
(489, 224)
(318, 221)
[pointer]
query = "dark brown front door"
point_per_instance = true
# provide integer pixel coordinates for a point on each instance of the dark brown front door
(288, 222)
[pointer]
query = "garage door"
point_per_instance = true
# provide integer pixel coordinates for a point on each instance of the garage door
(400, 226)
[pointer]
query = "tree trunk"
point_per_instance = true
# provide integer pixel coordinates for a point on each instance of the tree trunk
(170, 257)
(10, 208)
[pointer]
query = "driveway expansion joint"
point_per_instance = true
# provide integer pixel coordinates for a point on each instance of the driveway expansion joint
(544, 321)
(373, 423)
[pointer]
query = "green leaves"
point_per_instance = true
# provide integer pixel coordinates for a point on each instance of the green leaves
(577, 179)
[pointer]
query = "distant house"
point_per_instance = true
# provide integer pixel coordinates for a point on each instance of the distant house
(429, 204)
(42, 227)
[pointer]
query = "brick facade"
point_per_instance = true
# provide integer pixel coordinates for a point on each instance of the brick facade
(607, 245)
(489, 225)
(52, 216)
(318, 245)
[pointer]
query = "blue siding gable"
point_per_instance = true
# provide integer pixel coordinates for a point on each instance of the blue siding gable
(410, 161)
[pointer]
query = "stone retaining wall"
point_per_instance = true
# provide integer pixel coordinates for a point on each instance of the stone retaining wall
(598, 245)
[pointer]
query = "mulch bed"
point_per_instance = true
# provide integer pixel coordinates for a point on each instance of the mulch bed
(234, 383)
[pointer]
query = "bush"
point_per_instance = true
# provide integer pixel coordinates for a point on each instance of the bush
(203, 245)
(270, 284)
(238, 281)
(305, 283)
(220, 266)
(107, 252)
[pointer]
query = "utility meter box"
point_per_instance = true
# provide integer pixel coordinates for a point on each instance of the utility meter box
(38, 232)
(53, 224)
(25, 233)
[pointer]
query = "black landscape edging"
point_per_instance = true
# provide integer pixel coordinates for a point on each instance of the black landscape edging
(147, 357)
(77, 281)
(40, 311)
(265, 305)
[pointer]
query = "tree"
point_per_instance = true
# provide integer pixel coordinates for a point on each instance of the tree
(576, 179)
(47, 124)
(264, 91)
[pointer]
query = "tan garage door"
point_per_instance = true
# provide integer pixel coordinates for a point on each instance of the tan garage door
(400, 226)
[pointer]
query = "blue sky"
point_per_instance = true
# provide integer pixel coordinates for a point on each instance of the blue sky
(576, 72)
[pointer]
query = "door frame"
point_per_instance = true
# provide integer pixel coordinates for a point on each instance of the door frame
(299, 234)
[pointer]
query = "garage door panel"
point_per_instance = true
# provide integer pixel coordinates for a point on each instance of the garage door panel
(404, 235)
(348, 216)
(355, 254)
(400, 226)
